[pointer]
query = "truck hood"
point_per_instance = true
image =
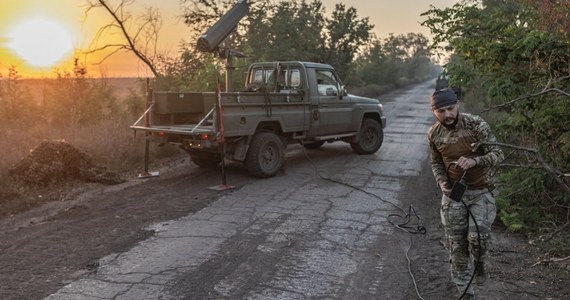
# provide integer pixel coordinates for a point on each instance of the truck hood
(359, 99)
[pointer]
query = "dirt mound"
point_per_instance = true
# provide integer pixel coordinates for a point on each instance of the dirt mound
(58, 161)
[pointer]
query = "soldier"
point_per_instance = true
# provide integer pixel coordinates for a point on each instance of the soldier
(456, 140)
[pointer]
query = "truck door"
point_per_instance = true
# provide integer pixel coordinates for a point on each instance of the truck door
(334, 111)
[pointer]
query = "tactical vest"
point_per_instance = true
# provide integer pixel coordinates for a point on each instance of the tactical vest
(457, 142)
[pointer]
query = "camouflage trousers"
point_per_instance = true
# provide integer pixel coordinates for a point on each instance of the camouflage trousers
(463, 242)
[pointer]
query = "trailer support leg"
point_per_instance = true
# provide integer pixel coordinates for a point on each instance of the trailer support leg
(224, 186)
(146, 173)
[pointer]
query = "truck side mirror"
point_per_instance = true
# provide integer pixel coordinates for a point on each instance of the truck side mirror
(330, 92)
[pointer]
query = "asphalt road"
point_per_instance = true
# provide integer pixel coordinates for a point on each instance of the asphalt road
(324, 228)
(294, 236)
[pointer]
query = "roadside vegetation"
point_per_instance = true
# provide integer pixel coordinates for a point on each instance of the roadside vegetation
(94, 114)
(274, 31)
(91, 114)
(513, 59)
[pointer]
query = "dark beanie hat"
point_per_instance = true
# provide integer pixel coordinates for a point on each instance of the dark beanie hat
(443, 98)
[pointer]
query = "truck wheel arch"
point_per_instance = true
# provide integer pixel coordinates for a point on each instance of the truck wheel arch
(369, 138)
(265, 155)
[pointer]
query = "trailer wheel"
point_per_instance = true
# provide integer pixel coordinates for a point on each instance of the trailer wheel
(370, 137)
(265, 156)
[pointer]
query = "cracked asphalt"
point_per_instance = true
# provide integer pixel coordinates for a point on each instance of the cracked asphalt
(294, 236)
(323, 228)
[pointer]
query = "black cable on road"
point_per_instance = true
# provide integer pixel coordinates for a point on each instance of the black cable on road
(405, 218)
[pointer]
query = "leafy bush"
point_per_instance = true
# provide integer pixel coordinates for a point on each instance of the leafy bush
(516, 52)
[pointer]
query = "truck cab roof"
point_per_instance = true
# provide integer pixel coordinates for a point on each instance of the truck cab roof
(302, 63)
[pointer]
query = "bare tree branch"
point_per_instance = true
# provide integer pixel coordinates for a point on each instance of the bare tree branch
(527, 97)
(519, 166)
(547, 89)
(551, 235)
(547, 261)
(120, 18)
(532, 150)
(106, 47)
(111, 54)
(556, 174)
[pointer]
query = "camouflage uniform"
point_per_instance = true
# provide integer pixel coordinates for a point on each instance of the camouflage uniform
(447, 145)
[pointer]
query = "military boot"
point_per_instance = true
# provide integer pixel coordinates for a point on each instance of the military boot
(480, 274)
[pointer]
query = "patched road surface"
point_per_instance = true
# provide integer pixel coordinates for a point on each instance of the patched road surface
(294, 236)
(323, 228)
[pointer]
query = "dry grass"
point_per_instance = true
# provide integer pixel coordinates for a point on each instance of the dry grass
(110, 143)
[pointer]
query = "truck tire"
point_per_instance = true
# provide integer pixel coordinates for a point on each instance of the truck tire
(265, 155)
(370, 137)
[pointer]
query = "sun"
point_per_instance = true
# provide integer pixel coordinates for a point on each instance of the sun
(40, 42)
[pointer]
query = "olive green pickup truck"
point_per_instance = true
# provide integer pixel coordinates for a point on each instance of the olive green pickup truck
(282, 103)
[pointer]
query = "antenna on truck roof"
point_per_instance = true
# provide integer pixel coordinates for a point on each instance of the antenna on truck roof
(219, 34)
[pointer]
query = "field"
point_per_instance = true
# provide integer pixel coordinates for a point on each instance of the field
(101, 132)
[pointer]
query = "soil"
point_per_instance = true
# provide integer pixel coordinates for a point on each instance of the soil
(52, 171)
(48, 246)
(57, 161)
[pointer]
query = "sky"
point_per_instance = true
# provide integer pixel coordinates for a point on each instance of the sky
(40, 37)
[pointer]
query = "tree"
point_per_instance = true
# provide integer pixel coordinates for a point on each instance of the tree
(74, 99)
(394, 62)
(347, 34)
(201, 70)
(16, 101)
(141, 41)
(291, 31)
(509, 50)
(371, 66)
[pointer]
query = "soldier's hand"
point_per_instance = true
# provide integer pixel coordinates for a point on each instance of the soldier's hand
(466, 162)
(445, 188)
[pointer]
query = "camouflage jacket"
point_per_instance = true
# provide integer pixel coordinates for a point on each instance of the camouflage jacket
(447, 145)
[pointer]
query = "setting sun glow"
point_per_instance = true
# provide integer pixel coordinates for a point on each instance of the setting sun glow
(40, 42)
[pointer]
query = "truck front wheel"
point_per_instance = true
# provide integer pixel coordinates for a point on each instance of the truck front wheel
(370, 137)
(265, 156)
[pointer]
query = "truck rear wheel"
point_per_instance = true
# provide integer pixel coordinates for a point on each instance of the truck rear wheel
(265, 156)
(370, 137)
